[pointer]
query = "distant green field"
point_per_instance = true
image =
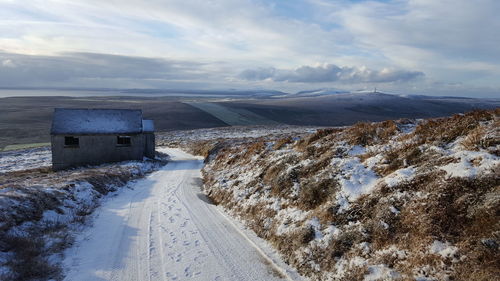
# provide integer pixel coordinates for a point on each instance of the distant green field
(24, 146)
(27, 120)
(233, 116)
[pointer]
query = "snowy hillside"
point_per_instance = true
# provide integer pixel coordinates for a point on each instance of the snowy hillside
(396, 200)
(41, 210)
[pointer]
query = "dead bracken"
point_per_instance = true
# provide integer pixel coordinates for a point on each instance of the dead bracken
(396, 200)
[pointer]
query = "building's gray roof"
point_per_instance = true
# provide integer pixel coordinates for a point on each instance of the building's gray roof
(148, 126)
(96, 121)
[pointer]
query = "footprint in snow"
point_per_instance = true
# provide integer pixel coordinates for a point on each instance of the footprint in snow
(172, 276)
(188, 272)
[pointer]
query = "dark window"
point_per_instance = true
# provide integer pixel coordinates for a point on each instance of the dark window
(71, 142)
(123, 141)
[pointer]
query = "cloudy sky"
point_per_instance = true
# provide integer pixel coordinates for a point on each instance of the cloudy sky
(445, 47)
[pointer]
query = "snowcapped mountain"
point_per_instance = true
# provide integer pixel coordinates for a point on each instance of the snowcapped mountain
(318, 92)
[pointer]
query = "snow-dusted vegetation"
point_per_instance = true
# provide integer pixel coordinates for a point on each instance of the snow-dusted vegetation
(186, 138)
(41, 210)
(19, 160)
(396, 200)
(207, 141)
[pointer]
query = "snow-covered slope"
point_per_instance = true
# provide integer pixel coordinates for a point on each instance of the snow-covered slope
(411, 199)
(40, 210)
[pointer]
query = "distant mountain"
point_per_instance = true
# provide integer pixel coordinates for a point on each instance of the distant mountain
(319, 92)
(223, 92)
(339, 109)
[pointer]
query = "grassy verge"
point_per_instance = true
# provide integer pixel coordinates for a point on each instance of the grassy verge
(25, 146)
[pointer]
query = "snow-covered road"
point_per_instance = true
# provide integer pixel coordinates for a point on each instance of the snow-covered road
(165, 229)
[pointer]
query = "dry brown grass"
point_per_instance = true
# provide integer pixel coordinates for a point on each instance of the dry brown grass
(406, 155)
(279, 144)
(29, 261)
(483, 138)
(204, 148)
(370, 133)
(361, 134)
(315, 192)
(446, 130)
(429, 207)
(473, 141)
(255, 148)
(321, 133)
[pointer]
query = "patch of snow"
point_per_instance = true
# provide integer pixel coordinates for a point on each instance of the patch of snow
(340, 268)
(384, 224)
(444, 249)
(356, 150)
(316, 225)
(381, 272)
(434, 148)
(51, 216)
(471, 163)
(394, 210)
(354, 178)
(357, 261)
(289, 217)
(342, 202)
(276, 205)
(400, 176)
(315, 266)
(407, 128)
(365, 247)
(392, 251)
(295, 190)
(374, 160)
(328, 234)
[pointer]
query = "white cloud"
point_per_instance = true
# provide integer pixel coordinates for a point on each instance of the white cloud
(331, 73)
(425, 34)
(101, 70)
(449, 40)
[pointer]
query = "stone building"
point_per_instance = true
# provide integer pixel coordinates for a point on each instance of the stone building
(95, 136)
